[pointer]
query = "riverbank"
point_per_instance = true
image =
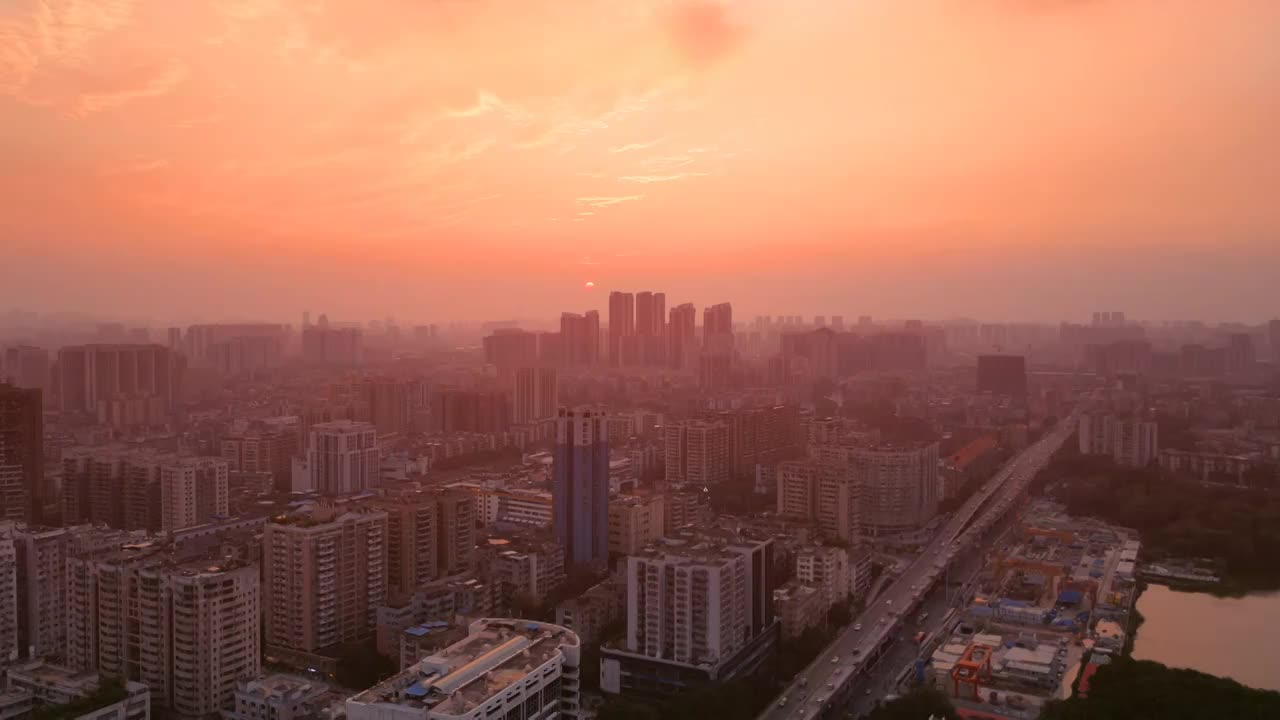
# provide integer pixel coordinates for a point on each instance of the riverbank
(1222, 636)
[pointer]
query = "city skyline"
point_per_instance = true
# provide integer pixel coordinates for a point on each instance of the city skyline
(256, 156)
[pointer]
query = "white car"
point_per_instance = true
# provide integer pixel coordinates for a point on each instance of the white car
(783, 701)
(835, 659)
(857, 627)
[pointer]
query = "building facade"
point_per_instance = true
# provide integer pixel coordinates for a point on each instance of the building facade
(342, 457)
(580, 489)
(22, 485)
(141, 614)
(324, 576)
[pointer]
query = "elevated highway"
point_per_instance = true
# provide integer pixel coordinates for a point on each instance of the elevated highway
(826, 684)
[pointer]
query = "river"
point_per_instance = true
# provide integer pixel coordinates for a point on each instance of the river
(1237, 637)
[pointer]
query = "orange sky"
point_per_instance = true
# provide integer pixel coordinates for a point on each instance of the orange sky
(481, 158)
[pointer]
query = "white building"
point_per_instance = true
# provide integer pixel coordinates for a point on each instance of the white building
(827, 569)
(898, 486)
(697, 452)
(342, 458)
(1130, 441)
(635, 521)
(693, 604)
(193, 491)
(503, 669)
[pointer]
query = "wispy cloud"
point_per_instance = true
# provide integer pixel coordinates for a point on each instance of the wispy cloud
(486, 102)
(646, 179)
(137, 167)
(605, 201)
(167, 78)
(54, 33)
(667, 163)
(633, 147)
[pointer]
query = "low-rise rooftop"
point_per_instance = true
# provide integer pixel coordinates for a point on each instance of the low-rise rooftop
(456, 680)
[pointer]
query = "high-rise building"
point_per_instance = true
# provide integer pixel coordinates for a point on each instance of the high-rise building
(651, 311)
(1129, 441)
(27, 367)
(580, 492)
(323, 344)
(510, 348)
(682, 336)
(41, 590)
(113, 486)
(580, 339)
(184, 628)
(1002, 375)
(119, 384)
(760, 436)
(324, 576)
(389, 405)
(898, 486)
(235, 348)
(700, 605)
(634, 522)
(342, 457)
(455, 532)
(536, 396)
(622, 323)
(827, 493)
(266, 447)
(22, 485)
(9, 644)
(697, 452)
(484, 411)
(717, 328)
(193, 491)
(411, 541)
(827, 568)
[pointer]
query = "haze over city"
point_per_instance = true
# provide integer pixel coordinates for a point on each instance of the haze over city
(1013, 159)
(639, 359)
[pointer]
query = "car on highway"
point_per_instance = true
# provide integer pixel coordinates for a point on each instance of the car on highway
(857, 627)
(782, 702)
(835, 659)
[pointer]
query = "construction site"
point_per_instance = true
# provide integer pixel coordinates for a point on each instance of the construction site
(1054, 588)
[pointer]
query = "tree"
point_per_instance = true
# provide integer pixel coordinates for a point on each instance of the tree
(1128, 688)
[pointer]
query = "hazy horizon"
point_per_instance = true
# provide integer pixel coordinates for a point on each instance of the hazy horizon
(999, 159)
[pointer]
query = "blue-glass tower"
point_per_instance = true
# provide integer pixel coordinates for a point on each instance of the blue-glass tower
(580, 492)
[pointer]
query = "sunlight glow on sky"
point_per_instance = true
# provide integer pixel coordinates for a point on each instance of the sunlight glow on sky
(261, 156)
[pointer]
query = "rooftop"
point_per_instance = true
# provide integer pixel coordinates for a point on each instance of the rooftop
(495, 655)
(281, 686)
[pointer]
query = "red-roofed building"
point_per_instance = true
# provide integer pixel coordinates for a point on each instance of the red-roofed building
(978, 458)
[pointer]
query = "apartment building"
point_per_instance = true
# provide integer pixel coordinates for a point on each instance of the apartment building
(140, 613)
(324, 576)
